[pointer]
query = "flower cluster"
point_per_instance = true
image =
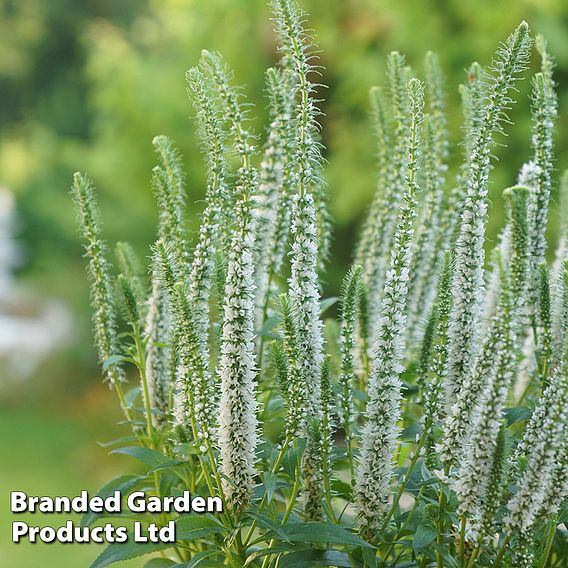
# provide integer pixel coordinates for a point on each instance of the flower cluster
(433, 407)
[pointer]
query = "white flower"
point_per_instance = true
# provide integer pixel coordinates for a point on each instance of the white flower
(157, 334)
(305, 298)
(468, 282)
(237, 372)
(379, 435)
(543, 443)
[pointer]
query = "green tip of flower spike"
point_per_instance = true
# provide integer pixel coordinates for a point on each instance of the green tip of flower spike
(518, 193)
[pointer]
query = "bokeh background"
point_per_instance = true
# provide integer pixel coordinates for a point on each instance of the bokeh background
(86, 84)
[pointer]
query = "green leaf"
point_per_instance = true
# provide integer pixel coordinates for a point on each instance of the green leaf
(563, 515)
(267, 328)
(117, 442)
(322, 533)
(326, 303)
(113, 360)
(124, 484)
(145, 455)
(369, 557)
(307, 558)
(292, 459)
(342, 489)
(166, 465)
(131, 396)
(191, 527)
(517, 414)
(277, 548)
(159, 563)
(269, 481)
(448, 560)
(198, 559)
(424, 471)
(118, 552)
(265, 522)
(423, 536)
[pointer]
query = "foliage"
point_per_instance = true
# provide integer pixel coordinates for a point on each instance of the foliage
(440, 444)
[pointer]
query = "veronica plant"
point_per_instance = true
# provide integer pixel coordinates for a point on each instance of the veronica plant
(407, 433)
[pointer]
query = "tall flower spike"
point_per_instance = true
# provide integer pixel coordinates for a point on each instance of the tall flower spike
(306, 223)
(472, 95)
(275, 187)
(479, 455)
(544, 445)
(463, 412)
(305, 297)
(350, 296)
(192, 401)
(157, 336)
(428, 252)
(312, 466)
(130, 266)
(295, 393)
(495, 486)
(436, 102)
(543, 440)
(557, 489)
(544, 321)
(168, 183)
(518, 204)
(172, 165)
(104, 316)
(434, 390)
(379, 435)
(371, 242)
(232, 107)
(426, 349)
(462, 408)
(316, 459)
(327, 422)
(129, 302)
(279, 237)
(296, 44)
(559, 300)
(550, 392)
(280, 366)
(237, 365)
(468, 282)
(544, 112)
(216, 210)
(378, 261)
(371, 251)
(492, 288)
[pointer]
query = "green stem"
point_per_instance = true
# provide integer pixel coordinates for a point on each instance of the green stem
(123, 405)
(264, 314)
(404, 483)
(287, 513)
(474, 556)
(404, 525)
(548, 545)
(264, 500)
(462, 540)
(141, 363)
(502, 551)
(441, 523)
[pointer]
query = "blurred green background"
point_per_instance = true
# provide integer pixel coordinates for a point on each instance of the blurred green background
(86, 84)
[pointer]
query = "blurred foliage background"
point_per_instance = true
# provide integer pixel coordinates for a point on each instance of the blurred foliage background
(86, 84)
